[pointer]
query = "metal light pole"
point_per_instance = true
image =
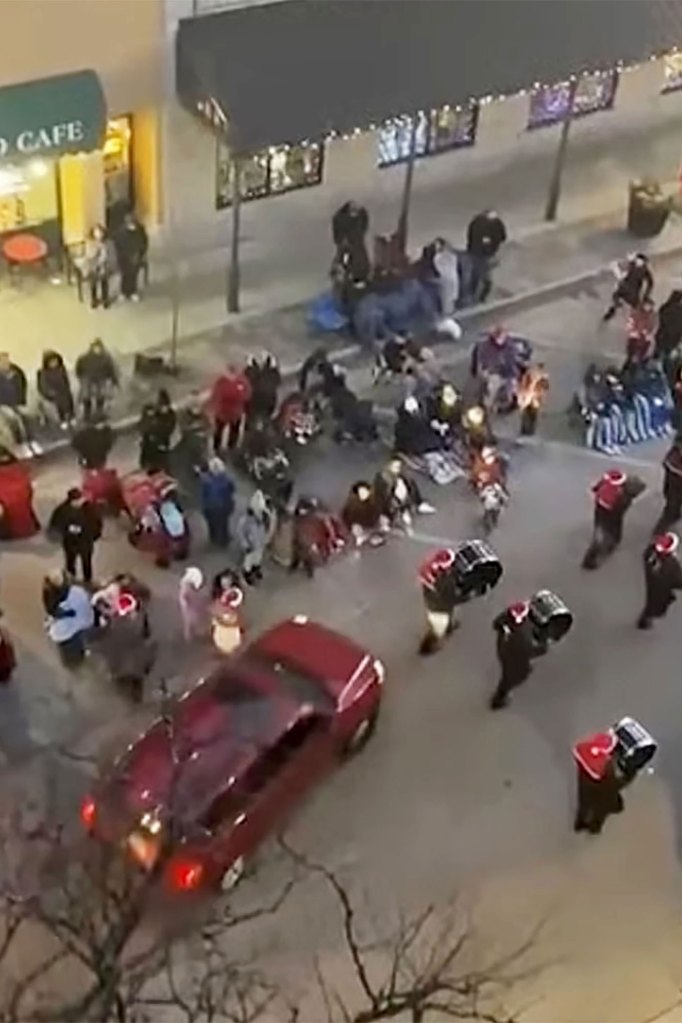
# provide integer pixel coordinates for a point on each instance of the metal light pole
(403, 220)
(554, 193)
(233, 274)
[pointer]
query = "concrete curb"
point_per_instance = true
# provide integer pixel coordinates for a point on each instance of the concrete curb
(351, 355)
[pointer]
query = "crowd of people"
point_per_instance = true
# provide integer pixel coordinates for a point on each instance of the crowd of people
(379, 295)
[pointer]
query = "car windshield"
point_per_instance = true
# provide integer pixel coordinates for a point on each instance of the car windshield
(294, 683)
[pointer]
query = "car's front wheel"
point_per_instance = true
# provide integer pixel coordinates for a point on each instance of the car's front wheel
(362, 734)
(232, 875)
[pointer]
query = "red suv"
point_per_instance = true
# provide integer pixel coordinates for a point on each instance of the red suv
(195, 795)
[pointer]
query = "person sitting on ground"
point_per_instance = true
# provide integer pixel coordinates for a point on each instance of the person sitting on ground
(398, 494)
(414, 434)
(13, 405)
(54, 387)
(316, 535)
(93, 442)
(362, 516)
(444, 409)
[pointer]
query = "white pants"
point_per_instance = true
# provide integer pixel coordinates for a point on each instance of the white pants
(439, 622)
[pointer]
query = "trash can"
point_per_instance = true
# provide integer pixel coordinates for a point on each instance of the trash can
(648, 209)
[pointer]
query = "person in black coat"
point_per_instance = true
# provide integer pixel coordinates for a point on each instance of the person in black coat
(515, 649)
(486, 234)
(54, 387)
(97, 375)
(77, 525)
(93, 442)
(634, 287)
(669, 330)
(350, 224)
(156, 426)
(131, 243)
(662, 576)
(265, 379)
(672, 487)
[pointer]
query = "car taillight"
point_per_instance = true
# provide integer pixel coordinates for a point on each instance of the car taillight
(186, 875)
(88, 812)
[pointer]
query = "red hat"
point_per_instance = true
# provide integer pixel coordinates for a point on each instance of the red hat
(232, 599)
(667, 543)
(594, 754)
(519, 611)
(439, 561)
(615, 477)
(125, 604)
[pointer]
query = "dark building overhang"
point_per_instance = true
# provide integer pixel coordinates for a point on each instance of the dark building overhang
(304, 69)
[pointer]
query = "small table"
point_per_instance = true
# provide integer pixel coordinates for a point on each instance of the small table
(24, 250)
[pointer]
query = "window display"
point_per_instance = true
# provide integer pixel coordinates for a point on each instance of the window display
(28, 195)
(549, 104)
(117, 164)
(270, 172)
(672, 68)
(442, 129)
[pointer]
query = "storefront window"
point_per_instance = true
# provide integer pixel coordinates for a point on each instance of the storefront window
(672, 68)
(270, 172)
(28, 195)
(549, 104)
(118, 182)
(442, 129)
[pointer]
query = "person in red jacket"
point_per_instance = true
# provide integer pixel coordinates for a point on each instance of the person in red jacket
(230, 396)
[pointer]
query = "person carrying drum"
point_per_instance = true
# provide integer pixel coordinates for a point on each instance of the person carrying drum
(598, 793)
(515, 649)
(613, 495)
(441, 593)
(663, 577)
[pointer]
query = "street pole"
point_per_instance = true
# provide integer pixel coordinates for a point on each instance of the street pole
(233, 281)
(560, 160)
(403, 220)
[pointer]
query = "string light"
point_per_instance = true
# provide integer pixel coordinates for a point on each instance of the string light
(211, 111)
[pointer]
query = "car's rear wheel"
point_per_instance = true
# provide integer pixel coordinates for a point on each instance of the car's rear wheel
(232, 875)
(362, 734)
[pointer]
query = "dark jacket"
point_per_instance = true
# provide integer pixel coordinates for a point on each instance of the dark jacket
(13, 387)
(265, 379)
(217, 493)
(54, 385)
(131, 244)
(636, 285)
(515, 645)
(96, 368)
(76, 527)
(93, 443)
(349, 228)
(669, 332)
(663, 576)
(414, 434)
(485, 235)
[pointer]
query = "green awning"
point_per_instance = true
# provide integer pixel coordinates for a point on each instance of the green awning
(52, 116)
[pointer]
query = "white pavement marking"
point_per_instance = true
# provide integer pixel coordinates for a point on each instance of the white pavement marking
(434, 541)
(590, 453)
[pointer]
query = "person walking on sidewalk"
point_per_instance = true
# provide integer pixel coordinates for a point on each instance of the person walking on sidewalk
(230, 397)
(635, 284)
(486, 234)
(97, 377)
(131, 244)
(77, 525)
(217, 502)
(54, 387)
(98, 266)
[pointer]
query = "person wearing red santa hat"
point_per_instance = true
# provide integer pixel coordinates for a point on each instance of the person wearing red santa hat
(662, 576)
(515, 648)
(598, 787)
(441, 594)
(613, 495)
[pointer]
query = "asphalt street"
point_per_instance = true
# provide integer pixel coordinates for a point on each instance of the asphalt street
(448, 797)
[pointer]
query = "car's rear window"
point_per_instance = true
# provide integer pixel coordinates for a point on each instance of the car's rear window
(293, 682)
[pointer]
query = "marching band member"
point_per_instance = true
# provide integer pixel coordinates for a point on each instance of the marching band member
(440, 591)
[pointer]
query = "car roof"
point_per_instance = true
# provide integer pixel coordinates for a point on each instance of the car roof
(213, 733)
(319, 653)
